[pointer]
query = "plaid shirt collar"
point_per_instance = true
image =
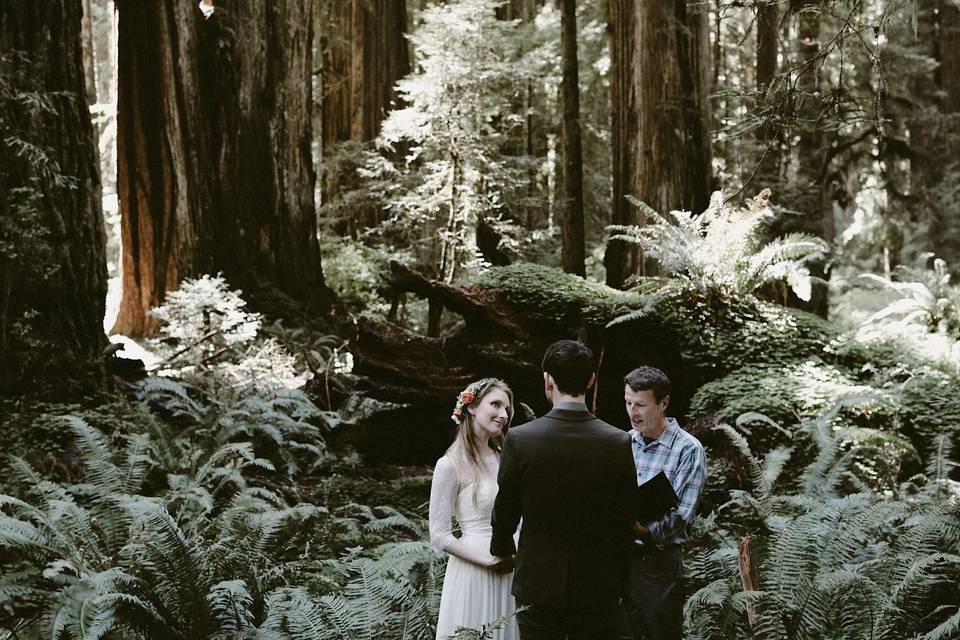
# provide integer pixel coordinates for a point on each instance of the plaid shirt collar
(665, 440)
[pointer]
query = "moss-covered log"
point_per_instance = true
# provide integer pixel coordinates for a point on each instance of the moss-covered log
(513, 313)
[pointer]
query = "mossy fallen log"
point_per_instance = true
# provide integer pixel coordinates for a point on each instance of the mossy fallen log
(513, 313)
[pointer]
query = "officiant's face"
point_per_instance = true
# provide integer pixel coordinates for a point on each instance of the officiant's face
(492, 413)
(646, 414)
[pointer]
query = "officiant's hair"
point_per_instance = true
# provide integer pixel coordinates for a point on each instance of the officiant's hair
(463, 451)
(649, 378)
(570, 363)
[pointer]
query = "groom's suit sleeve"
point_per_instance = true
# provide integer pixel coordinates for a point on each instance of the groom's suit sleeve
(507, 507)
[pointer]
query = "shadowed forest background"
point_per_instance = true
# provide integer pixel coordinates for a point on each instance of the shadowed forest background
(250, 252)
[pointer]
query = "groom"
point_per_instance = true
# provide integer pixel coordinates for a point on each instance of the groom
(571, 478)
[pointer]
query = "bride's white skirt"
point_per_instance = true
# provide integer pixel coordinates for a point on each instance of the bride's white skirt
(473, 596)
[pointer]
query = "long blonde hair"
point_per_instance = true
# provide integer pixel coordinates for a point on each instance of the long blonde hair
(463, 451)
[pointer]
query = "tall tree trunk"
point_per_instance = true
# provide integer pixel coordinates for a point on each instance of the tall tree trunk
(163, 179)
(810, 199)
(364, 54)
(659, 131)
(215, 171)
(767, 173)
(573, 232)
(86, 35)
(525, 10)
(944, 154)
(53, 277)
(948, 45)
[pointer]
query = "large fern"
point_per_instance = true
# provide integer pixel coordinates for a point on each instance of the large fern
(722, 248)
(851, 566)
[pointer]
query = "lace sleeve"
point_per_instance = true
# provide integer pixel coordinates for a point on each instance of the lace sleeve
(443, 495)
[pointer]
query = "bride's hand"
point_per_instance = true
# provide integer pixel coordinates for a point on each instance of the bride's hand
(500, 564)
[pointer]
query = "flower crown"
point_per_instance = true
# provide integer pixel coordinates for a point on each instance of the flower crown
(467, 396)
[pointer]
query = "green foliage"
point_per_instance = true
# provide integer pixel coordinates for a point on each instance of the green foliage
(353, 269)
(26, 255)
(549, 290)
(930, 300)
(209, 551)
(723, 249)
(830, 564)
(788, 390)
(207, 337)
(451, 157)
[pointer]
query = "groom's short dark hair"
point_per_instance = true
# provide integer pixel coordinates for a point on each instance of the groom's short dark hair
(570, 363)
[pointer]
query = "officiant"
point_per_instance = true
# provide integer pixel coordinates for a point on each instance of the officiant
(660, 446)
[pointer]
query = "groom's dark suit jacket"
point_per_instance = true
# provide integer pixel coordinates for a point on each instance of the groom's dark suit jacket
(572, 479)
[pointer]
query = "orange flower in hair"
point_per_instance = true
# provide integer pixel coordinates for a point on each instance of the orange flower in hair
(466, 397)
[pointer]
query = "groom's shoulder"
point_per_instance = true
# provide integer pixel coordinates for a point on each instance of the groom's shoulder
(607, 430)
(529, 428)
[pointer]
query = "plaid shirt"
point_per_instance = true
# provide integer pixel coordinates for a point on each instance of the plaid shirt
(680, 456)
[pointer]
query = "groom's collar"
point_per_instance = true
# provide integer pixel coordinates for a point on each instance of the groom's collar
(570, 411)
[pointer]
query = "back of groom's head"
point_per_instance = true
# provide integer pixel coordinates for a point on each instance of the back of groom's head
(570, 364)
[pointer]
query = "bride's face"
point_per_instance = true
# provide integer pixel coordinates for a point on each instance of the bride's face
(492, 413)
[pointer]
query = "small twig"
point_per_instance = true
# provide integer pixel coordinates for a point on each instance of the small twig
(596, 382)
(746, 184)
(190, 346)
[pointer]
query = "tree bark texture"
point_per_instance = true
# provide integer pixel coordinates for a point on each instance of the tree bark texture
(943, 164)
(809, 195)
(767, 43)
(53, 276)
(215, 171)
(573, 250)
(659, 130)
(524, 10)
(90, 73)
(767, 173)
(364, 53)
(948, 73)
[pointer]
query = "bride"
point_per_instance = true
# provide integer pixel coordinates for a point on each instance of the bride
(476, 587)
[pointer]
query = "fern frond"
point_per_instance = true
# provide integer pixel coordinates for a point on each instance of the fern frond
(230, 603)
(949, 629)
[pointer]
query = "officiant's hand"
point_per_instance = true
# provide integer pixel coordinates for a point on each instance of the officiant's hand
(501, 564)
(641, 531)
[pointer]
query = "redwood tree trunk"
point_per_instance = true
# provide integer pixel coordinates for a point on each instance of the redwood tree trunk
(364, 54)
(573, 233)
(53, 276)
(768, 137)
(810, 198)
(944, 154)
(948, 41)
(215, 172)
(659, 130)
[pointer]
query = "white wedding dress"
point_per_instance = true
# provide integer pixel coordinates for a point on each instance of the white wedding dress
(472, 595)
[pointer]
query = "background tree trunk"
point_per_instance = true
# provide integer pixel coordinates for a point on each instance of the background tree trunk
(53, 277)
(86, 31)
(572, 207)
(659, 131)
(768, 136)
(215, 171)
(807, 194)
(948, 74)
(524, 10)
(364, 54)
(162, 145)
(943, 152)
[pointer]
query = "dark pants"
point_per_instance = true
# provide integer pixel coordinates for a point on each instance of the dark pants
(656, 594)
(545, 622)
